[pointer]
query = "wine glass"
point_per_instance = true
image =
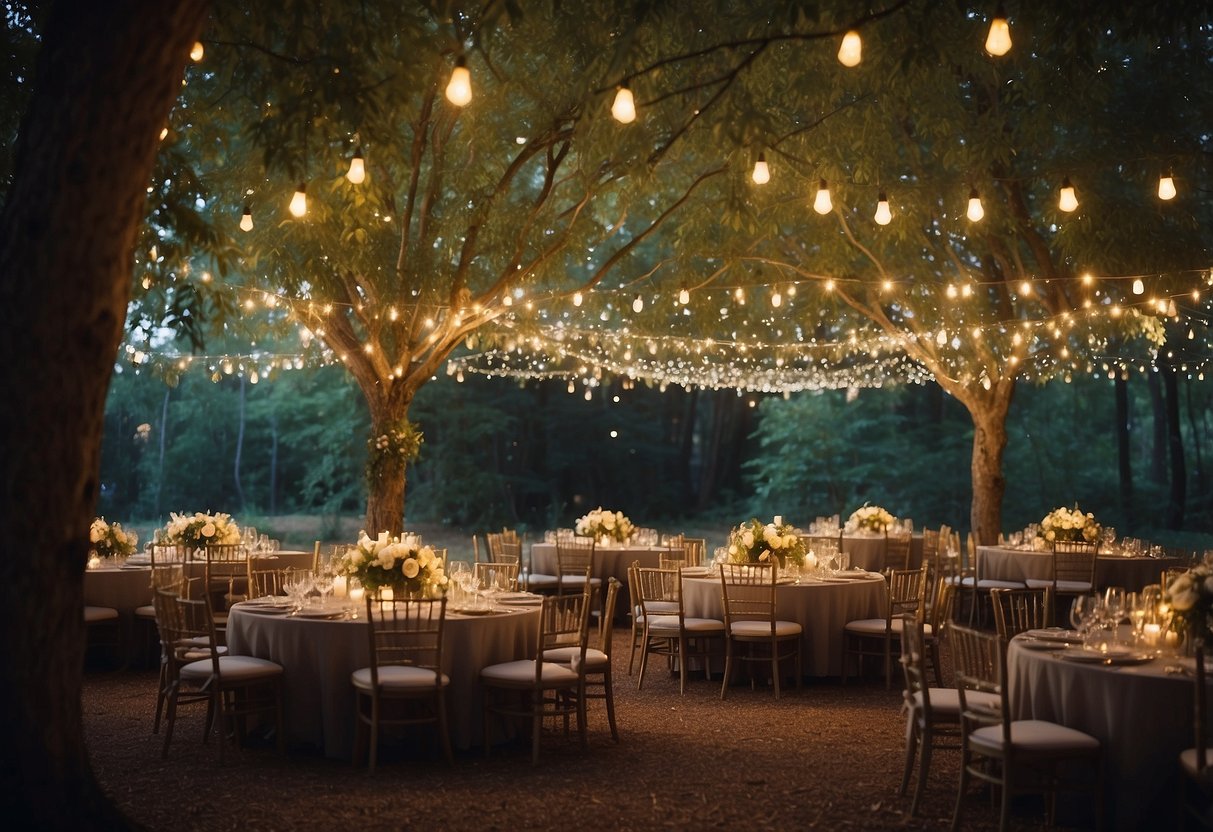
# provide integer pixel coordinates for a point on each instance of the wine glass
(1084, 611)
(323, 583)
(1115, 606)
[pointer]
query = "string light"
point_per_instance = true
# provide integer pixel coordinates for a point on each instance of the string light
(623, 108)
(459, 88)
(975, 212)
(1166, 187)
(684, 296)
(850, 52)
(776, 298)
(638, 303)
(577, 298)
(357, 172)
(298, 206)
(246, 219)
(1139, 286)
(883, 215)
(1067, 200)
(998, 40)
(197, 51)
(822, 203)
(761, 174)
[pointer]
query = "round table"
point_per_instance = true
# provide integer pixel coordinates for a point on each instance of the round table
(867, 551)
(609, 561)
(821, 608)
(319, 655)
(1001, 563)
(1141, 714)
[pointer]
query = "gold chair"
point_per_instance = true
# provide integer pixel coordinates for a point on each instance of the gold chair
(597, 661)
(574, 561)
(502, 576)
(406, 667)
(669, 632)
(1006, 752)
(897, 551)
(234, 687)
(1019, 610)
(748, 593)
(696, 550)
(936, 620)
(663, 607)
(547, 689)
(223, 563)
(906, 594)
(1073, 569)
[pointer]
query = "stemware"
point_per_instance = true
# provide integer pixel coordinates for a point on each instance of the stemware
(322, 581)
(1115, 607)
(1084, 611)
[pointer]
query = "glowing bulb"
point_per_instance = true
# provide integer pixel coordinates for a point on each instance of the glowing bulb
(506, 300)
(299, 201)
(883, 215)
(459, 88)
(1087, 279)
(761, 174)
(1172, 309)
(197, 52)
(952, 290)
(975, 212)
(638, 303)
(1166, 187)
(822, 203)
(777, 299)
(684, 296)
(830, 285)
(624, 106)
(998, 41)
(577, 298)
(851, 51)
(246, 219)
(1025, 288)
(357, 172)
(739, 295)
(1067, 200)
(163, 136)
(1139, 286)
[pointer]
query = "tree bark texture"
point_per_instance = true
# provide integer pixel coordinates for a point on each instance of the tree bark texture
(1158, 448)
(1178, 495)
(385, 488)
(1124, 450)
(106, 77)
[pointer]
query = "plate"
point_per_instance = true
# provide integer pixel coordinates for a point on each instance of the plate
(1117, 657)
(320, 615)
(479, 612)
(1032, 643)
(263, 609)
(528, 601)
(1056, 634)
(696, 571)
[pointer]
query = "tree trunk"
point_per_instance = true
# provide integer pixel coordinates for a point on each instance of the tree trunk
(1158, 448)
(240, 447)
(106, 77)
(989, 414)
(1124, 451)
(385, 485)
(1175, 443)
(1197, 442)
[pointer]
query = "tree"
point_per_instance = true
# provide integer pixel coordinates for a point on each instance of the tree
(73, 204)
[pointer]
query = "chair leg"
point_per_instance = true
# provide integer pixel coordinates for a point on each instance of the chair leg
(373, 753)
(728, 666)
(170, 719)
(775, 665)
(161, 693)
(682, 662)
(609, 694)
(536, 724)
(632, 645)
(888, 659)
(960, 790)
(911, 753)
(486, 712)
(644, 658)
(442, 728)
(581, 716)
(924, 767)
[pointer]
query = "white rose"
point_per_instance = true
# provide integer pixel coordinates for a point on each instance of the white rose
(1050, 535)
(425, 556)
(733, 549)
(207, 530)
(95, 534)
(608, 521)
(770, 536)
(747, 538)
(410, 568)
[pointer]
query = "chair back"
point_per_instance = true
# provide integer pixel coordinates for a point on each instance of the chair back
(608, 616)
(502, 576)
(897, 551)
(574, 557)
(980, 665)
(907, 592)
(188, 633)
(224, 563)
(656, 585)
(508, 552)
(914, 666)
(1073, 561)
(1019, 610)
(159, 554)
(747, 592)
(265, 582)
(564, 620)
(675, 557)
(696, 550)
(943, 599)
(405, 632)
(930, 544)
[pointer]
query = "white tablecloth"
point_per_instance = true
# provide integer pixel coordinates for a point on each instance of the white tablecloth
(1141, 714)
(318, 657)
(1004, 564)
(609, 561)
(822, 609)
(867, 551)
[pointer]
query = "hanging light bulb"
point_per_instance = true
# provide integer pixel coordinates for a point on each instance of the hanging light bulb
(299, 201)
(883, 215)
(197, 51)
(357, 172)
(638, 303)
(975, 211)
(1166, 187)
(459, 88)
(577, 298)
(1172, 309)
(684, 296)
(761, 174)
(851, 51)
(822, 203)
(777, 298)
(998, 41)
(624, 106)
(739, 295)
(1067, 200)
(246, 219)
(1139, 286)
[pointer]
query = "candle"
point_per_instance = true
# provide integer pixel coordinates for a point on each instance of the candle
(778, 519)
(386, 594)
(94, 562)
(1150, 633)
(357, 593)
(341, 586)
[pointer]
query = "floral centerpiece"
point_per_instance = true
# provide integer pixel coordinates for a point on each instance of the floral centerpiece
(756, 542)
(600, 524)
(868, 518)
(1191, 599)
(201, 529)
(1069, 524)
(107, 540)
(385, 562)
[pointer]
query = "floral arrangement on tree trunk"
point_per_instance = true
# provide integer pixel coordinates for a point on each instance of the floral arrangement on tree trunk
(868, 518)
(386, 562)
(755, 542)
(1191, 599)
(1069, 525)
(600, 524)
(201, 529)
(107, 540)
(396, 446)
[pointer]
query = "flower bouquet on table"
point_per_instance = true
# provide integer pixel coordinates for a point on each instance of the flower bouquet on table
(868, 518)
(1191, 599)
(605, 525)
(1069, 525)
(756, 542)
(201, 529)
(384, 562)
(108, 540)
